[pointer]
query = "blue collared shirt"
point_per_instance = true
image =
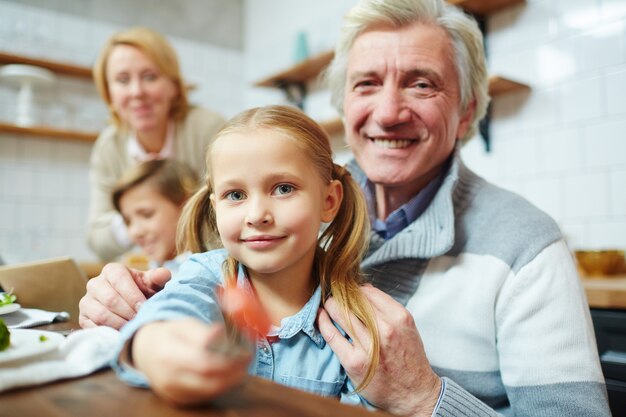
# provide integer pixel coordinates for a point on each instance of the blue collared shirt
(295, 354)
(172, 264)
(403, 215)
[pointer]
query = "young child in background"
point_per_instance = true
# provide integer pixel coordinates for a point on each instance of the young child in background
(150, 197)
(271, 184)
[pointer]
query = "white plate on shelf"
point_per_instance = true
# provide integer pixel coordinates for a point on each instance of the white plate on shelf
(9, 308)
(27, 343)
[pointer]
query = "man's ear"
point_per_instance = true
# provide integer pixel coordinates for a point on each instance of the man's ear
(332, 201)
(466, 120)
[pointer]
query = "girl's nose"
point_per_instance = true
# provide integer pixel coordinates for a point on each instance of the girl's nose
(259, 214)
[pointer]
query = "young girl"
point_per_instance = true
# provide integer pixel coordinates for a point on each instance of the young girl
(272, 183)
(150, 197)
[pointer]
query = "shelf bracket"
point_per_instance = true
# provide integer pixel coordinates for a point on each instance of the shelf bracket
(294, 91)
(484, 127)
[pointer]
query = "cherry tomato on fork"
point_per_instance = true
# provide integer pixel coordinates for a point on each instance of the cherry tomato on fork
(244, 311)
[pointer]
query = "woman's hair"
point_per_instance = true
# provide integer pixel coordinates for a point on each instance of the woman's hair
(158, 50)
(343, 242)
(464, 33)
(173, 179)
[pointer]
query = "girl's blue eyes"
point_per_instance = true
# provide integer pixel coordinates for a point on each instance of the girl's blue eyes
(235, 196)
(280, 189)
(283, 189)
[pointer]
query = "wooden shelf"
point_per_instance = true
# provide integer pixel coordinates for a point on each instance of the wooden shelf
(299, 73)
(60, 68)
(499, 85)
(50, 132)
(484, 7)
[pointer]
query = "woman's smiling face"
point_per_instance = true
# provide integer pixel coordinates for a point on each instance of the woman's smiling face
(140, 94)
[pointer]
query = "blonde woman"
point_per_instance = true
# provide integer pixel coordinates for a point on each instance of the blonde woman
(138, 77)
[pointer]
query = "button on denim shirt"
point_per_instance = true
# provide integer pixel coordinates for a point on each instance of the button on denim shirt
(295, 354)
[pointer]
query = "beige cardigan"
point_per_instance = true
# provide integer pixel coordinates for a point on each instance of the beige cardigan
(110, 159)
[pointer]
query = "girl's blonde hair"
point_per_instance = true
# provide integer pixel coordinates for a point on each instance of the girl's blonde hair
(173, 179)
(159, 51)
(341, 245)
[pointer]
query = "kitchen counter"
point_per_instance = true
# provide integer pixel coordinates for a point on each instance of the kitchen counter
(606, 292)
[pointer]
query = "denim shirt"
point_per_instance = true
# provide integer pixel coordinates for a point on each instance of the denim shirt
(295, 354)
(172, 264)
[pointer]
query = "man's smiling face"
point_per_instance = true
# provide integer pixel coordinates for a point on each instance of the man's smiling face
(402, 104)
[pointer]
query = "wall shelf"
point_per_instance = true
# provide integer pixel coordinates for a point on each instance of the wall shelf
(499, 85)
(49, 132)
(299, 73)
(60, 68)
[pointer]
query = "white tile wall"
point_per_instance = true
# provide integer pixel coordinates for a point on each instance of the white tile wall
(44, 187)
(562, 146)
(573, 123)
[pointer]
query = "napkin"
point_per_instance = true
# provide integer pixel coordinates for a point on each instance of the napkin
(81, 353)
(31, 317)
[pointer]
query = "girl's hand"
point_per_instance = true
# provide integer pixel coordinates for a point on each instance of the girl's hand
(181, 368)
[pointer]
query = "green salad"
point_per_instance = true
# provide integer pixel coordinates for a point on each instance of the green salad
(5, 336)
(7, 298)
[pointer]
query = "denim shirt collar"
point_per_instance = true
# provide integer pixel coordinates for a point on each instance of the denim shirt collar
(303, 320)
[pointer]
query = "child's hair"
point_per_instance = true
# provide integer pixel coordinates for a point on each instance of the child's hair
(341, 245)
(173, 179)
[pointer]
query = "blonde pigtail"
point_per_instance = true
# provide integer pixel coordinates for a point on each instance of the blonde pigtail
(197, 231)
(345, 242)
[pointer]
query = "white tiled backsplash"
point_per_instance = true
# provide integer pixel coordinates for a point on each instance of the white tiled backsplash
(44, 187)
(563, 146)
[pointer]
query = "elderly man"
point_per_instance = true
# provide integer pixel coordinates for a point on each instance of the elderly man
(481, 310)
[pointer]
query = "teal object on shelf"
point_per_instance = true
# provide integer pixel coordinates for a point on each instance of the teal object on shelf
(302, 47)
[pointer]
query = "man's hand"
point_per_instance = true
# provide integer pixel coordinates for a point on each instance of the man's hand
(404, 383)
(114, 296)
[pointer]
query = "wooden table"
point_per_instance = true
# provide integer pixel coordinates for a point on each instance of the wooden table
(102, 394)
